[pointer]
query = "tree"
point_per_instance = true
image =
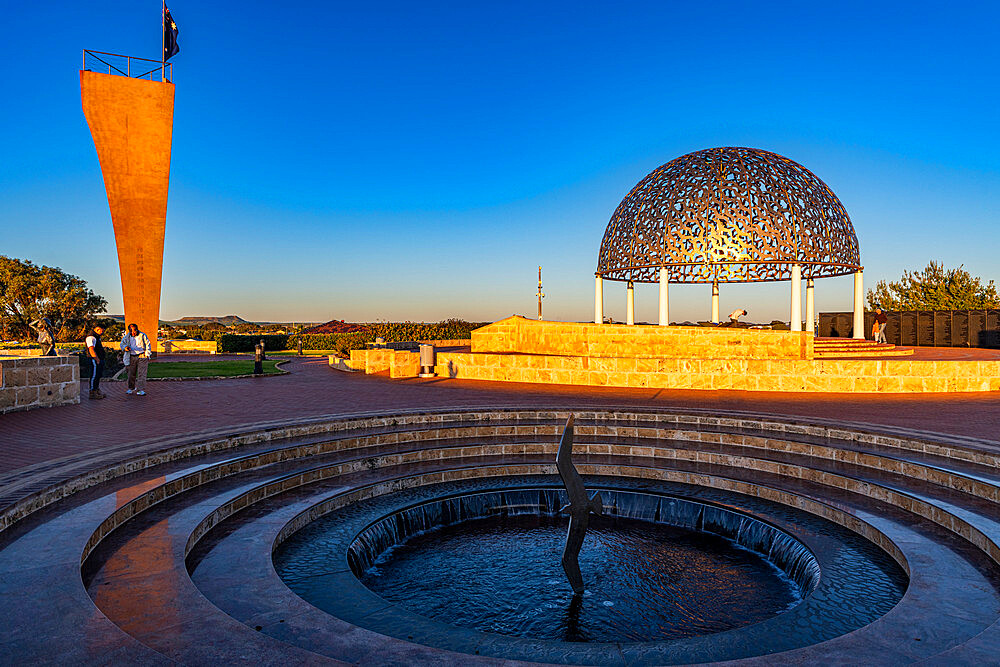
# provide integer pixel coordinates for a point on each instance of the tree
(29, 291)
(935, 288)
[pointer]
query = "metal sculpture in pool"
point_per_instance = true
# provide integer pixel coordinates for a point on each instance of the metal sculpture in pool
(580, 507)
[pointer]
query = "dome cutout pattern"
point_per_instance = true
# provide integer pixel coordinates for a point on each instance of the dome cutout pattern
(729, 215)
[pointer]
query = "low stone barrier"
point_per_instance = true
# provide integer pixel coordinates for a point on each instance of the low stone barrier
(402, 360)
(189, 346)
(861, 376)
(399, 363)
(35, 382)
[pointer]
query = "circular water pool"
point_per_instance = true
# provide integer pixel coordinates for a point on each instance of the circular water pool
(645, 581)
(671, 571)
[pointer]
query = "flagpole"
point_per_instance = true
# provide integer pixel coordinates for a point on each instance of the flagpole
(163, 43)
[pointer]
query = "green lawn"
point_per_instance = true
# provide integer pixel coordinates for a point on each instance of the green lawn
(191, 369)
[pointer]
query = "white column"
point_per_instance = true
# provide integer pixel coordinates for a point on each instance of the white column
(715, 302)
(598, 299)
(859, 304)
(810, 308)
(664, 304)
(796, 315)
(630, 304)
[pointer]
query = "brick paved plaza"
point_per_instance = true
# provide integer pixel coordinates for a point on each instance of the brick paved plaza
(313, 389)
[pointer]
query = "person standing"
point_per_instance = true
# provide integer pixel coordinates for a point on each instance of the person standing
(734, 317)
(95, 352)
(136, 346)
(46, 338)
(881, 321)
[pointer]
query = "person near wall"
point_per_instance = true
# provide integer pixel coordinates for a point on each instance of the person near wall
(136, 346)
(734, 317)
(46, 337)
(881, 320)
(95, 353)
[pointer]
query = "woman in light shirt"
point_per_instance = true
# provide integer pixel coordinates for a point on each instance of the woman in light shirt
(136, 346)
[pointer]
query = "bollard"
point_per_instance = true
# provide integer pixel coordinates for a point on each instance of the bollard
(426, 360)
(258, 359)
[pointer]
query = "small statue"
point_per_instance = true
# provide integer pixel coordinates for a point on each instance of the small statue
(580, 507)
(46, 337)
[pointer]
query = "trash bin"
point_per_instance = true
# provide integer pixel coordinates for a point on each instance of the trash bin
(426, 360)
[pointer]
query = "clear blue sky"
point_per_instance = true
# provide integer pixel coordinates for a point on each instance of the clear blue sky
(419, 160)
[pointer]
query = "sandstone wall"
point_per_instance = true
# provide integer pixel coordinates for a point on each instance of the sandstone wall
(520, 335)
(862, 376)
(34, 382)
(179, 346)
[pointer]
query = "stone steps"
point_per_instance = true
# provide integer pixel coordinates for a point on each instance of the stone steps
(864, 353)
(287, 515)
(931, 502)
(314, 497)
(244, 600)
(834, 348)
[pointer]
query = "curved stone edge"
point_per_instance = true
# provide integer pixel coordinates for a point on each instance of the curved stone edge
(147, 454)
(906, 501)
(955, 446)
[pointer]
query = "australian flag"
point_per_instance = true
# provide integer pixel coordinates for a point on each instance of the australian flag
(170, 47)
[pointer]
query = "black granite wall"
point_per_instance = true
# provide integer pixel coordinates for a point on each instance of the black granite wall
(938, 328)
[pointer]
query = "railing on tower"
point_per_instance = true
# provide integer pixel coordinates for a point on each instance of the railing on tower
(130, 66)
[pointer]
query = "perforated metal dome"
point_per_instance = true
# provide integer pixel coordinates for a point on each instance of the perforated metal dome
(728, 215)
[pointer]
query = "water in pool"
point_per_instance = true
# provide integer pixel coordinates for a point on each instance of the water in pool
(645, 581)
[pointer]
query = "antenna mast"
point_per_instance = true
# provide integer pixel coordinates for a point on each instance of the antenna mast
(540, 294)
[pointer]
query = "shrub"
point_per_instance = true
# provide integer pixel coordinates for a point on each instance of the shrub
(407, 331)
(247, 343)
(343, 343)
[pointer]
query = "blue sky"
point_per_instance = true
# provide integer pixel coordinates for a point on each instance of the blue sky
(419, 160)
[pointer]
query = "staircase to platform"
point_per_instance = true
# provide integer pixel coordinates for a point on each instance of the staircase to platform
(852, 348)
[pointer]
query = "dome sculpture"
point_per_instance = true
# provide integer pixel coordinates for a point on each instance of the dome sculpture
(728, 215)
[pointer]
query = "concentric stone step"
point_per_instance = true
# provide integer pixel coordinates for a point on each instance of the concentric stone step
(930, 503)
(222, 554)
(294, 505)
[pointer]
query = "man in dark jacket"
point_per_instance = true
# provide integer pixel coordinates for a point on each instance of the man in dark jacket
(95, 353)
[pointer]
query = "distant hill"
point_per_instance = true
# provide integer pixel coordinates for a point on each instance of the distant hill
(225, 320)
(336, 326)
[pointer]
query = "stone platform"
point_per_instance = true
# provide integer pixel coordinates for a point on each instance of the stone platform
(521, 350)
(518, 335)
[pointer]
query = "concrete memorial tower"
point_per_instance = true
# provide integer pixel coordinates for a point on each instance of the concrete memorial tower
(131, 121)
